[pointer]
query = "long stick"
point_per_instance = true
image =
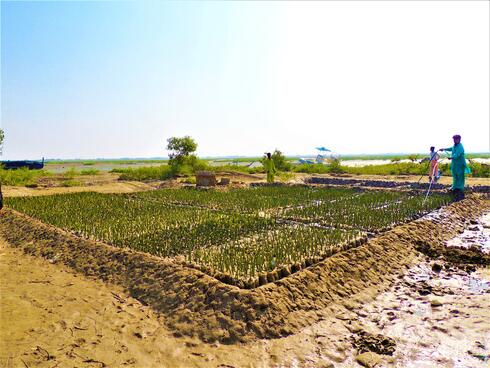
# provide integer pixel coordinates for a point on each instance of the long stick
(431, 181)
(430, 185)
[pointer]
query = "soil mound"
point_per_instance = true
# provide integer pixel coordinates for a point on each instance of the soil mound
(376, 343)
(390, 184)
(194, 303)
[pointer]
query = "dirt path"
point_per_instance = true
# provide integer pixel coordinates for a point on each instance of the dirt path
(109, 187)
(53, 317)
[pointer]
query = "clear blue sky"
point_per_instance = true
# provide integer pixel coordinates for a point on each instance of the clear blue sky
(116, 79)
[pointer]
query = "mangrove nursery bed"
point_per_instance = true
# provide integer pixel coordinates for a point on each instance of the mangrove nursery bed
(194, 303)
(243, 237)
(390, 184)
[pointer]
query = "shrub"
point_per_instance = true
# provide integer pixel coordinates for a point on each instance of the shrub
(479, 170)
(89, 172)
(71, 183)
(162, 172)
(335, 167)
(70, 173)
(280, 161)
(21, 177)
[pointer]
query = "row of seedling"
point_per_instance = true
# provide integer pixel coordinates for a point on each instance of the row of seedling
(243, 200)
(370, 211)
(273, 254)
(241, 236)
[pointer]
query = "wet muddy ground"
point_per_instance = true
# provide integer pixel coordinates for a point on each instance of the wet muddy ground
(436, 319)
(438, 314)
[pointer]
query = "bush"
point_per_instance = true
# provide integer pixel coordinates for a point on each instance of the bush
(71, 173)
(162, 172)
(311, 168)
(190, 180)
(237, 169)
(189, 165)
(280, 161)
(335, 167)
(401, 168)
(185, 166)
(285, 176)
(71, 183)
(479, 170)
(89, 172)
(21, 177)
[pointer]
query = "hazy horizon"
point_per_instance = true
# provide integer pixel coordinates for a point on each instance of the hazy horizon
(116, 79)
(309, 155)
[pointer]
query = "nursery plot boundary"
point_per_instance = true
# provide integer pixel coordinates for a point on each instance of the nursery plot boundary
(339, 218)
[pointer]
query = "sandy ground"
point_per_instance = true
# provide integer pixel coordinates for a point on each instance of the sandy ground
(107, 187)
(109, 183)
(53, 317)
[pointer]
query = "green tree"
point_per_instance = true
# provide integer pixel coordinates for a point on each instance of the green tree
(2, 137)
(180, 148)
(280, 161)
(336, 167)
(182, 159)
(413, 158)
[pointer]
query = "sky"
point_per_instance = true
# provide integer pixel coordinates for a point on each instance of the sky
(116, 79)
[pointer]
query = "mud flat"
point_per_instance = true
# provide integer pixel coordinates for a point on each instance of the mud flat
(434, 319)
(436, 315)
(196, 304)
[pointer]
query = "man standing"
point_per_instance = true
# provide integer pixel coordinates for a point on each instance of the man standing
(270, 168)
(458, 167)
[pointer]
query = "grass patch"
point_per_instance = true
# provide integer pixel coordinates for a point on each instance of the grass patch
(285, 176)
(479, 170)
(71, 173)
(21, 177)
(236, 168)
(163, 172)
(71, 183)
(106, 161)
(398, 168)
(89, 172)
